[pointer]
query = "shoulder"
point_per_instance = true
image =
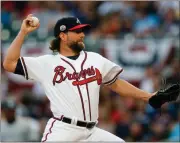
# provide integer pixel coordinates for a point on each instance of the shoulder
(46, 57)
(38, 60)
(93, 54)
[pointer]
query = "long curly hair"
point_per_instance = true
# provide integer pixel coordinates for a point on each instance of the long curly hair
(55, 45)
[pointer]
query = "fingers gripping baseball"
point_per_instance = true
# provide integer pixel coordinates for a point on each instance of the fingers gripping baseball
(30, 24)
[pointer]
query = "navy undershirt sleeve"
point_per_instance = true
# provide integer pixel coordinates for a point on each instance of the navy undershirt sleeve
(19, 68)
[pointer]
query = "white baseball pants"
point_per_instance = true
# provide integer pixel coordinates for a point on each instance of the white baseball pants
(59, 131)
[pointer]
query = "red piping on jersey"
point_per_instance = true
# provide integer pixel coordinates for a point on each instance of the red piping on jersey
(82, 64)
(108, 82)
(77, 88)
(88, 100)
(26, 73)
(50, 129)
(87, 85)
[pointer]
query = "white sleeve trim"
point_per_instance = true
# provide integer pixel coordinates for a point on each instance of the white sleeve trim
(24, 67)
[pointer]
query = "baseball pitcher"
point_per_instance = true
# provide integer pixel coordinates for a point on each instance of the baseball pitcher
(71, 80)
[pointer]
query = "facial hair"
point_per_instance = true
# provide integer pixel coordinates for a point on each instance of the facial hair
(77, 47)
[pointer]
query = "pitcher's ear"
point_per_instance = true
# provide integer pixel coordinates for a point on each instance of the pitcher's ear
(63, 36)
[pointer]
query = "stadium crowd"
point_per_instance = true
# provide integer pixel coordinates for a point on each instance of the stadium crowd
(25, 108)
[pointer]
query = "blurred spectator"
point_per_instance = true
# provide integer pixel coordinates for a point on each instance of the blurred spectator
(58, 10)
(122, 128)
(127, 26)
(126, 8)
(136, 132)
(173, 76)
(174, 135)
(163, 6)
(147, 83)
(145, 24)
(93, 40)
(17, 128)
(5, 17)
(170, 24)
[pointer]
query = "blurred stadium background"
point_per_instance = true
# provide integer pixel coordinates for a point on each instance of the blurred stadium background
(142, 37)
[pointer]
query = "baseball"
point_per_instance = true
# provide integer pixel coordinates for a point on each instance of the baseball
(35, 21)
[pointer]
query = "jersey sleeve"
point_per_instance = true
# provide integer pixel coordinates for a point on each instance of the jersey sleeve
(110, 71)
(19, 68)
(32, 67)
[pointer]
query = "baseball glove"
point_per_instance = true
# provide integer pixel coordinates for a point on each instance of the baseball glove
(167, 95)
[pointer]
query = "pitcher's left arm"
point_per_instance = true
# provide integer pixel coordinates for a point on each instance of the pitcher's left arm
(156, 100)
(124, 88)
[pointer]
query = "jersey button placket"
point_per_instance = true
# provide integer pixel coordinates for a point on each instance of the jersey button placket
(86, 104)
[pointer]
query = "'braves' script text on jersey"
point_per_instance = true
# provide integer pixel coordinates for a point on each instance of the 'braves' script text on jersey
(59, 71)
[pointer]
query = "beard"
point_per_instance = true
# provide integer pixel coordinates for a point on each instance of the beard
(77, 47)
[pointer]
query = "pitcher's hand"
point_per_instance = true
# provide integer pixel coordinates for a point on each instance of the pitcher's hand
(26, 27)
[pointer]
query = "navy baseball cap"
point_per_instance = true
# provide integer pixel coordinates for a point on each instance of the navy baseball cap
(69, 24)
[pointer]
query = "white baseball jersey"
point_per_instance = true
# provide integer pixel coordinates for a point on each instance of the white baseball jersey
(72, 86)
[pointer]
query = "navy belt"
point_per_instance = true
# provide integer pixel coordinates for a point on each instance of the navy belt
(88, 125)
